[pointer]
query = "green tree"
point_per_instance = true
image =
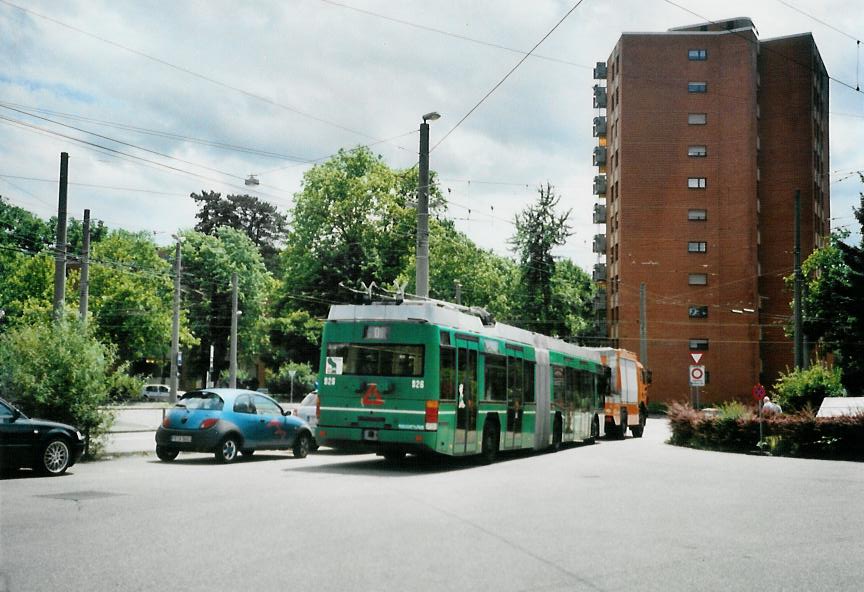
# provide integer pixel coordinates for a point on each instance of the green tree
(58, 371)
(257, 219)
(294, 335)
(572, 310)
(539, 229)
(486, 279)
(800, 389)
(131, 297)
(208, 262)
(26, 268)
(352, 222)
(832, 303)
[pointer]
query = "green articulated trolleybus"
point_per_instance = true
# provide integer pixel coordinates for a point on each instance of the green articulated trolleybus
(428, 377)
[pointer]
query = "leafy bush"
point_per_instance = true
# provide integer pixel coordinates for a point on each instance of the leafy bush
(58, 371)
(123, 387)
(655, 408)
(733, 410)
(244, 379)
(304, 380)
(802, 389)
(799, 434)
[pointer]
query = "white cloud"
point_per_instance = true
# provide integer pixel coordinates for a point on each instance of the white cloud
(355, 72)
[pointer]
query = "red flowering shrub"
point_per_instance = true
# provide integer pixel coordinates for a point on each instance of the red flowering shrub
(799, 434)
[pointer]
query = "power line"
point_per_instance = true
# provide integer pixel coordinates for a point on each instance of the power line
(821, 22)
(120, 154)
(192, 72)
(807, 67)
(454, 35)
(506, 76)
(122, 143)
(161, 133)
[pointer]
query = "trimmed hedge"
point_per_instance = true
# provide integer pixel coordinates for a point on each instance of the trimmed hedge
(800, 434)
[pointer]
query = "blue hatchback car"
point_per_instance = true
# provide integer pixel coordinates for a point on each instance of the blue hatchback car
(227, 422)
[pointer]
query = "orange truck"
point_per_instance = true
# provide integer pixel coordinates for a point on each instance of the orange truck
(627, 399)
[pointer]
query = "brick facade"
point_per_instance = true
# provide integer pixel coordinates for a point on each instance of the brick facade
(666, 171)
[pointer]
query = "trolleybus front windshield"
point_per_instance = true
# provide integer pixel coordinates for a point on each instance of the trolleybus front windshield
(389, 359)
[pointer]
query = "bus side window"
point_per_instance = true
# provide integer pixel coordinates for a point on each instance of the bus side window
(448, 373)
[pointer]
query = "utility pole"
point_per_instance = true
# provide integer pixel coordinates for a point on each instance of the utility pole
(232, 368)
(458, 285)
(85, 269)
(799, 335)
(60, 245)
(422, 248)
(643, 328)
(175, 325)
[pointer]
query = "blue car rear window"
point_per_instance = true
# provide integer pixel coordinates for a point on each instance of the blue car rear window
(206, 401)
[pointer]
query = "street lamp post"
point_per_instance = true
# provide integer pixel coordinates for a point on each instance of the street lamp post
(422, 251)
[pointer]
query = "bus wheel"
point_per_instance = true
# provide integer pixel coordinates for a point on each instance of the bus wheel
(638, 430)
(394, 455)
(557, 434)
(489, 447)
(595, 430)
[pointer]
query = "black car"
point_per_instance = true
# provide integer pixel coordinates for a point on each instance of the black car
(46, 446)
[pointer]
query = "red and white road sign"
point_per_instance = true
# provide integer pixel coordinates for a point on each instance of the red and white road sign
(696, 357)
(758, 392)
(697, 375)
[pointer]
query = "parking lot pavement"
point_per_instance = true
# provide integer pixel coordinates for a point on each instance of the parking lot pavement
(134, 429)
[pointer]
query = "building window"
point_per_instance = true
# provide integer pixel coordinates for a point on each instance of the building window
(697, 183)
(697, 151)
(697, 87)
(697, 312)
(697, 279)
(698, 344)
(697, 118)
(697, 54)
(697, 215)
(697, 247)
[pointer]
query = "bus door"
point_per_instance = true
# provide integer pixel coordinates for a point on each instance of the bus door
(465, 435)
(515, 403)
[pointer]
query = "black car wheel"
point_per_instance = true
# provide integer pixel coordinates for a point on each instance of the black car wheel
(55, 457)
(227, 450)
(302, 445)
(166, 454)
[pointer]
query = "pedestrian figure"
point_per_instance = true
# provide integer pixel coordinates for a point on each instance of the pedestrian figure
(770, 408)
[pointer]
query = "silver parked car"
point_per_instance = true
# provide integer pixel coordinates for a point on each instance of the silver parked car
(308, 411)
(158, 392)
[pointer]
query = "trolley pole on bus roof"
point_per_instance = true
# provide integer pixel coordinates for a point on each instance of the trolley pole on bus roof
(422, 248)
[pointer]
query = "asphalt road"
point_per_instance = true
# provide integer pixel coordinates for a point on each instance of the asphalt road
(632, 515)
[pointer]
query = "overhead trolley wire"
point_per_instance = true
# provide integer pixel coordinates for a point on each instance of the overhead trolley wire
(807, 67)
(454, 35)
(193, 73)
(506, 76)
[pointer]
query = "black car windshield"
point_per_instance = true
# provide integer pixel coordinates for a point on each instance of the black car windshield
(201, 400)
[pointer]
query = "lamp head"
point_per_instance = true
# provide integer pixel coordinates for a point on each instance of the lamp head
(431, 116)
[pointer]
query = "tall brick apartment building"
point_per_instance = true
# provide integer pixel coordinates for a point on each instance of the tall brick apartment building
(704, 135)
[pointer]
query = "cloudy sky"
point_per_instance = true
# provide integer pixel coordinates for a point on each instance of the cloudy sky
(227, 89)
